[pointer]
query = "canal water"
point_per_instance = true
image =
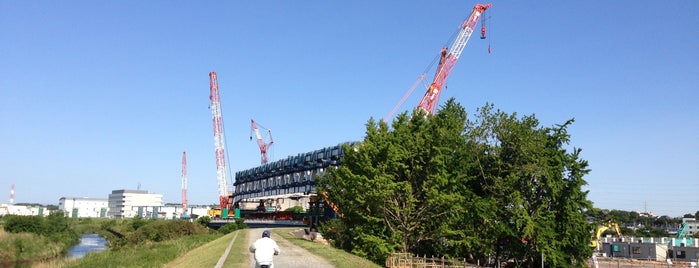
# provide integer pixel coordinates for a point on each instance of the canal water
(88, 243)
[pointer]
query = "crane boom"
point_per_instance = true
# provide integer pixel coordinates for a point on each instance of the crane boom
(184, 185)
(260, 142)
(219, 142)
(448, 59)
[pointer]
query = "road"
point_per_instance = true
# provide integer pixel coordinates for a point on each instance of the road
(291, 255)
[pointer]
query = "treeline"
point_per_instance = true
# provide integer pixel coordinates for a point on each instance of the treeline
(493, 188)
(636, 224)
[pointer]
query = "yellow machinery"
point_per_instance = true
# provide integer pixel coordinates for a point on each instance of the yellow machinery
(598, 234)
(216, 213)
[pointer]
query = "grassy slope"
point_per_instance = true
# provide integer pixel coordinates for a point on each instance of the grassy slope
(208, 254)
(337, 257)
(148, 255)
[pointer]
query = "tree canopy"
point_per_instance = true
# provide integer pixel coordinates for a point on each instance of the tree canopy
(493, 187)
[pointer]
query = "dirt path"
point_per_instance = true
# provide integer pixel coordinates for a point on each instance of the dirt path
(291, 255)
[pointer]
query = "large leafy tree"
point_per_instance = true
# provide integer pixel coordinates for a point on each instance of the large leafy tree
(537, 185)
(497, 186)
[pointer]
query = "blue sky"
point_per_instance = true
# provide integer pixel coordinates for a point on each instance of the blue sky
(99, 96)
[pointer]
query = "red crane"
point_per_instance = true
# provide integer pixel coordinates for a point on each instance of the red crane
(448, 59)
(184, 185)
(261, 143)
(219, 144)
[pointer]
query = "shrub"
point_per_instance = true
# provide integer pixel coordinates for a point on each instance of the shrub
(159, 230)
(230, 227)
(204, 220)
(24, 224)
(138, 222)
(295, 209)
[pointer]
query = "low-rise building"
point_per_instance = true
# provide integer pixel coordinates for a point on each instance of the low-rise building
(133, 203)
(83, 207)
(692, 226)
(21, 210)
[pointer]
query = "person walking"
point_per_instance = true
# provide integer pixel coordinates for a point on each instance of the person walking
(264, 249)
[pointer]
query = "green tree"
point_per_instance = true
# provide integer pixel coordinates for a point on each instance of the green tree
(537, 185)
(498, 186)
(295, 209)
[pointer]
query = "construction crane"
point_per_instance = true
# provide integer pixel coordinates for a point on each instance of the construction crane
(260, 142)
(184, 185)
(428, 103)
(219, 144)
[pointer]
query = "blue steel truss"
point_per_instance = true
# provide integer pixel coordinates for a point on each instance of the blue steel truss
(292, 175)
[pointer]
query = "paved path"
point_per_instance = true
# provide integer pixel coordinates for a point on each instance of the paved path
(291, 255)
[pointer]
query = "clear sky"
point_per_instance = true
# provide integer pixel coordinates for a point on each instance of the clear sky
(99, 96)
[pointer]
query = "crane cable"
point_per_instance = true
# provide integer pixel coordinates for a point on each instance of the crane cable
(421, 77)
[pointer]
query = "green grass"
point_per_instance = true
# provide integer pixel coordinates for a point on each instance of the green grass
(208, 255)
(27, 247)
(337, 257)
(146, 255)
(239, 255)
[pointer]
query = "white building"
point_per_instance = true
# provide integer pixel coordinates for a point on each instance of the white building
(83, 207)
(132, 203)
(692, 226)
(10, 209)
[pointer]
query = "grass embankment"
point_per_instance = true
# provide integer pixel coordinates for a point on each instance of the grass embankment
(337, 257)
(26, 247)
(209, 254)
(28, 239)
(144, 255)
(146, 243)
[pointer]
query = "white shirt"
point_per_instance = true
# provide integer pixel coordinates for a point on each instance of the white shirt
(264, 248)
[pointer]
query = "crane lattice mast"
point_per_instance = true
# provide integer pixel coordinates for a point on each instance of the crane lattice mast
(448, 59)
(12, 194)
(260, 142)
(184, 184)
(219, 143)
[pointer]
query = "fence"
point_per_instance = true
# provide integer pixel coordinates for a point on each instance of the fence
(626, 263)
(407, 260)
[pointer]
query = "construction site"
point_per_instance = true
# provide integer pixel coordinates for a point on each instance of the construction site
(264, 193)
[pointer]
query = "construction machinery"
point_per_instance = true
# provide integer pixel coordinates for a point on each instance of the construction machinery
(594, 243)
(447, 60)
(682, 231)
(219, 144)
(264, 146)
(332, 205)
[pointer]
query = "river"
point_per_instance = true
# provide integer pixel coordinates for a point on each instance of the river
(88, 243)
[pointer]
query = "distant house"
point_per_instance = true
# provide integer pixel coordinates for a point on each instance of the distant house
(83, 207)
(134, 203)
